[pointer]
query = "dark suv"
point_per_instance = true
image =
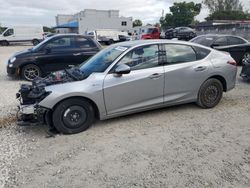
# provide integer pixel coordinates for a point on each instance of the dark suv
(182, 33)
(58, 52)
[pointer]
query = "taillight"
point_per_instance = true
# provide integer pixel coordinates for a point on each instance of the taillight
(232, 62)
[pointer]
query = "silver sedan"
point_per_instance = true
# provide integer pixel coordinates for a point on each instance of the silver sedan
(126, 78)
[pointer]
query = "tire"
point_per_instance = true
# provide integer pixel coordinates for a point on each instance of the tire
(35, 42)
(73, 116)
(31, 71)
(210, 93)
(5, 43)
(245, 57)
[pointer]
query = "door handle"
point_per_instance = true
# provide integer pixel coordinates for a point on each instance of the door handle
(155, 75)
(77, 54)
(200, 68)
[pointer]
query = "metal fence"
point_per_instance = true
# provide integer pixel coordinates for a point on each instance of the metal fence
(243, 32)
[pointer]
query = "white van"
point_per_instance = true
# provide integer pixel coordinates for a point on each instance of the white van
(34, 34)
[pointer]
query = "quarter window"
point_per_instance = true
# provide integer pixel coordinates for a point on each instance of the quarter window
(177, 53)
(142, 57)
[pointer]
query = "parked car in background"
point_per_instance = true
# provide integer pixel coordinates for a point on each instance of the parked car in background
(182, 33)
(238, 47)
(126, 78)
(151, 33)
(34, 34)
(58, 52)
(107, 36)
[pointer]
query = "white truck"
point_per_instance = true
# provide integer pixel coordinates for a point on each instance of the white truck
(34, 34)
(108, 36)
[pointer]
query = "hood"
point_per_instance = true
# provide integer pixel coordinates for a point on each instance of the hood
(35, 92)
(23, 52)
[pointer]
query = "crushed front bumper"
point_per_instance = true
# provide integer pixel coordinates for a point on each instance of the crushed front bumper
(33, 115)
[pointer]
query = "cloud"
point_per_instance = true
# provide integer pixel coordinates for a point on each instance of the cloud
(44, 12)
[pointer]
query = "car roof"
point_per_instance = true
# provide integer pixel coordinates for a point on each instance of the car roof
(134, 43)
(221, 35)
(69, 34)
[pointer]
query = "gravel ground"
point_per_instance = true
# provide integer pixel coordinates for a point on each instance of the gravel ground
(182, 146)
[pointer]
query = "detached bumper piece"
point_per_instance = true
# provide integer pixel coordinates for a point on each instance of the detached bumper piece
(29, 115)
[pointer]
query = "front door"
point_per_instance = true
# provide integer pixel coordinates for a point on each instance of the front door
(58, 54)
(142, 87)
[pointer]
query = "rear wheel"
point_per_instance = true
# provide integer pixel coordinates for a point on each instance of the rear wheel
(210, 93)
(30, 72)
(73, 116)
(4, 43)
(35, 42)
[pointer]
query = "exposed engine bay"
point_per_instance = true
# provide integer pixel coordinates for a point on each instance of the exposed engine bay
(30, 95)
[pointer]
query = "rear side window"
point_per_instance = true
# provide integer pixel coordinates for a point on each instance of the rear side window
(235, 41)
(177, 53)
(201, 53)
(84, 43)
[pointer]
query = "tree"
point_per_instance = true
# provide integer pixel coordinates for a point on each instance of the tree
(226, 10)
(181, 14)
(137, 23)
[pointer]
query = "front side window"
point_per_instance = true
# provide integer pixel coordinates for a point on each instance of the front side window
(142, 57)
(9, 32)
(61, 43)
(177, 53)
(222, 41)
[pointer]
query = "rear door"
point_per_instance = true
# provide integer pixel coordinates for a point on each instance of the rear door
(185, 71)
(141, 88)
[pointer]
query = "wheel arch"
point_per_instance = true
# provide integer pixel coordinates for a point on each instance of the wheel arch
(96, 109)
(222, 80)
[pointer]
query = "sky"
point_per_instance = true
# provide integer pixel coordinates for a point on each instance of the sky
(20, 12)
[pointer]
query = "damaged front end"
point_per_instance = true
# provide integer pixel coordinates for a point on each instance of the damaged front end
(245, 71)
(30, 95)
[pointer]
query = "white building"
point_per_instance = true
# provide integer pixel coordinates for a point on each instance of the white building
(91, 19)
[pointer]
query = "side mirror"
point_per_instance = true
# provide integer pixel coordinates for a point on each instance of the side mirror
(122, 69)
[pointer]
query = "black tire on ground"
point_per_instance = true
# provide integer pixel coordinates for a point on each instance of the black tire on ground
(35, 42)
(30, 71)
(245, 57)
(73, 116)
(5, 43)
(210, 93)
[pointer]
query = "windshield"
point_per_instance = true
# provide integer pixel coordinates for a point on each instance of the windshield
(102, 60)
(150, 30)
(41, 44)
